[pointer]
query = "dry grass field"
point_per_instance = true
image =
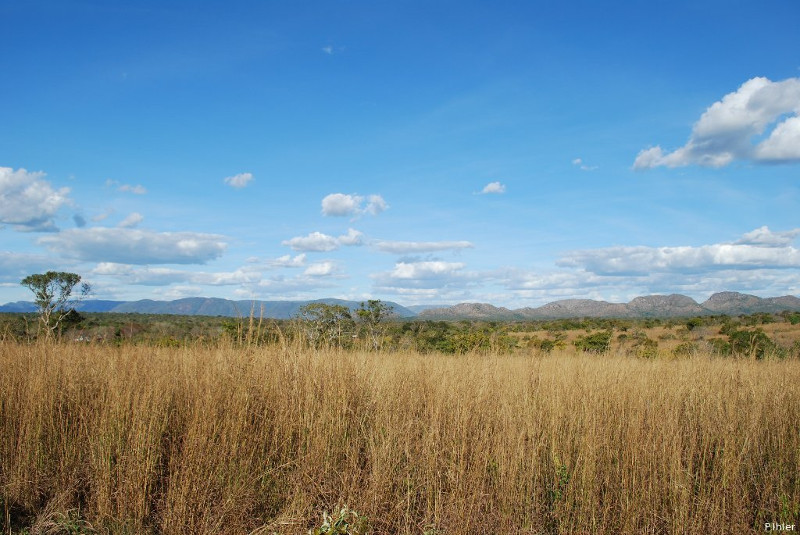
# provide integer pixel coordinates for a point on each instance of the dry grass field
(262, 440)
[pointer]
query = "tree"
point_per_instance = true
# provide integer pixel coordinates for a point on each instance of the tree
(52, 291)
(325, 324)
(371, 316)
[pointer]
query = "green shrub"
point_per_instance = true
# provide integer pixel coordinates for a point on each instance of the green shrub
(598, 342)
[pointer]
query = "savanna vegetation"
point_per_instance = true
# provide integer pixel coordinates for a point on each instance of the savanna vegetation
(337, 423)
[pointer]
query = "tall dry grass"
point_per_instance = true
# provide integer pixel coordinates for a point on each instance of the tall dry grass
(262, 440)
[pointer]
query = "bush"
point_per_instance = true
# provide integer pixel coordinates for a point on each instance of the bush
(753, 343)
(598, 342)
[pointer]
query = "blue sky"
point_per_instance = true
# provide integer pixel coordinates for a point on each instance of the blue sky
(422, 152)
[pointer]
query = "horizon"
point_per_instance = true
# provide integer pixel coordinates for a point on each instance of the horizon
(420, 153)
(77, 304)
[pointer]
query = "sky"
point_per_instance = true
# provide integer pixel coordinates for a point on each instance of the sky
(422, 152)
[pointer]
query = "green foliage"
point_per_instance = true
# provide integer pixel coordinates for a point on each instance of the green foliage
(348, 522)
(372, 317)
(753, 343)
(52, 292)
(598, 342)
(646, 348)
(685, 349)
(325, 325)
(693, 323)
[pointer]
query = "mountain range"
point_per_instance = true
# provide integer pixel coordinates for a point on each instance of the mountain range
(675, 305)
(650, 306)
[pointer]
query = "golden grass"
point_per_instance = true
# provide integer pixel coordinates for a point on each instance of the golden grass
(138, 439)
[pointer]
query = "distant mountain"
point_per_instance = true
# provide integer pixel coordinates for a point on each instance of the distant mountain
(662, 306)
(205, 306)
(419, 308)
(736, 303)
(90, 305)
(477, 311)
(658, 305)
(18, 306)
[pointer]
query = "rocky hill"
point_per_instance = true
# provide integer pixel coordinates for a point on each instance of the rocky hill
(662, 306)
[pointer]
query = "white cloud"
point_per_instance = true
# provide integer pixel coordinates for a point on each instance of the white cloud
(783, 144)
(424, 270)
(319, 242)
(493, 187)
(376, 205)
(758, 249)
(730, 129)
(133, 246)
(159, 276)
(764, 237)
(239, 181)
(131, 221)
(28, 202)
(288, 261)
(320, 269)
(353, 237)
(447, 278)
(316, 241)
(328, 49)
(342, 204)
(407, 247)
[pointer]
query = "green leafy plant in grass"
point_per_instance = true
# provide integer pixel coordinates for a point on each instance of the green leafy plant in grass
(598, 342)
(348, 522)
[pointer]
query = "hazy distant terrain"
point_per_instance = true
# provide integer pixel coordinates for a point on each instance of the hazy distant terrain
(661, 306)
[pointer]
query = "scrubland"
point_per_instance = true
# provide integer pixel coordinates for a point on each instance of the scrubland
(261, 440)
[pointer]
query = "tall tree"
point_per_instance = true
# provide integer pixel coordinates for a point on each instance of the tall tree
(372, 316)
(54, 298)
(325, 324)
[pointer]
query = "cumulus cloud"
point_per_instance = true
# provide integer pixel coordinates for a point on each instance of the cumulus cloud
(320, 269)
(238, 181)
(409, 247)
(288, 261)
(424, 270)
(132, 220)
(758, 249)
(431, 278)
(342, 205)
(732, 129)
(160, 276)
(319, 242)
(493, 187)
(133, 246)
(28, 202)
(316, 242)
(375, 205)
(764, 237)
